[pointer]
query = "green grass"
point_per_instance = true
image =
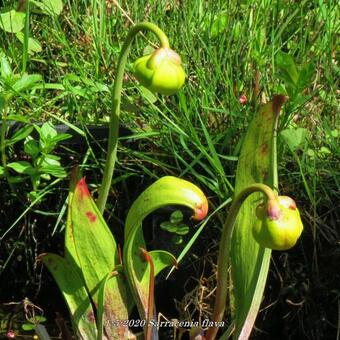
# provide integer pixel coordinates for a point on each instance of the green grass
(196, 134)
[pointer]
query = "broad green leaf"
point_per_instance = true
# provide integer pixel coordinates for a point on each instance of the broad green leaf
(96, 247)
(250, 262)
(5, 67)
(165, 191)
(148, 94)
(50, 7)
(20, 135)
(37, 318)
(168, 226)
(176, 217)
(27, 326)
(51, 159)
(182, 229)
(2, 102)
(60, 137)
(287, 66)
(12, 21)
(22, 167)
(162, 259)
(288, 72)
(219, 25)
(75, 294)
(31, 147)
(305, 76)
(55, 170)
(48, 131)
(97, 256)
(34, 45)
(48, 136)
(18, 118)
(2, 171)
(26, 82)
(294, 138)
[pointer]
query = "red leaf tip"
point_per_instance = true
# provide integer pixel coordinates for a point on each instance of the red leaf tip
(82, 187)
(201, 210)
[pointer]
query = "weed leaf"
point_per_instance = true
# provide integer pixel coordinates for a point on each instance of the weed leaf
(26, 82)
(22, 167)
(294, 138)
(34, 45)
(50, 7)
(12, 21)
(20, 135)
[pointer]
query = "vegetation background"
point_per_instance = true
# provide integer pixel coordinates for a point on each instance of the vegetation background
(237, 54)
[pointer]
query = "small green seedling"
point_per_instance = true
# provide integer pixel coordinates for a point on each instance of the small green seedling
(12, 85)
(32, 323)
(176, 226)
(41, 163)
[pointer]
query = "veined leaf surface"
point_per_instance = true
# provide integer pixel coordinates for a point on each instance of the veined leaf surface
(72, 287)
(96, 252)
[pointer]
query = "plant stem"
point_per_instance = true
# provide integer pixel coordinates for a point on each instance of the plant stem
(42, 332)
(223, 257)
(148, 329)
(3, 140)
(115, 113)
(3, 145)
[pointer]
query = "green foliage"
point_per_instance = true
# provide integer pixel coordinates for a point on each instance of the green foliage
(249, 260)
(33, 46)
(71, 285)
(12, 84)
(223, 45)
(92, 270)
(12, 21)
(295, 79)
(49, 7)
(294, 138)
(165, 191)
(44, 163)
(32, 322)
(176, 226)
